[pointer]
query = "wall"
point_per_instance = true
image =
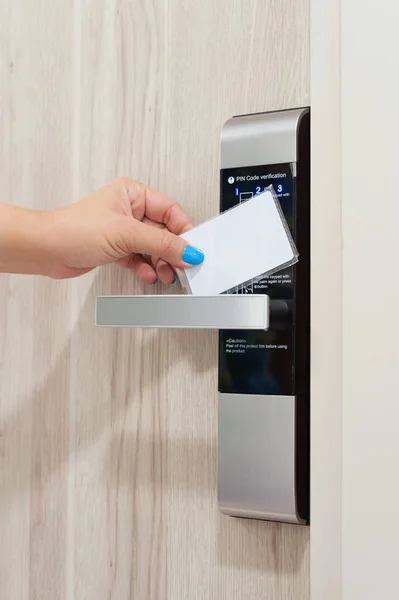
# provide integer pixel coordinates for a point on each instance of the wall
(108, 439)
(370, 322)
(355, 482)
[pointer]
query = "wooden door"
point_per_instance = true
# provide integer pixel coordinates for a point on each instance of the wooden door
(108, 438)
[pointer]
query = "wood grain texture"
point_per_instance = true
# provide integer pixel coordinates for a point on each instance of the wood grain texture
(158, 81)
(108, 438)
(35, 171)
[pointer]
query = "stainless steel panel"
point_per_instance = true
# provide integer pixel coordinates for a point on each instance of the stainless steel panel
(261, 139)
(256, 457)
(181, 311)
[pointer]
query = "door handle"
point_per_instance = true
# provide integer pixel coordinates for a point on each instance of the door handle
(225, 311)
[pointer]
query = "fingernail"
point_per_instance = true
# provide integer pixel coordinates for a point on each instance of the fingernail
(192, 256)
(174, 279)
(154, 282)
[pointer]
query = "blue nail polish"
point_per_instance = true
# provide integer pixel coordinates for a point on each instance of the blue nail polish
(174, 279)
(192, 256)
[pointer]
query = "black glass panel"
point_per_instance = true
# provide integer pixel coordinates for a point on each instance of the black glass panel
(261, 362)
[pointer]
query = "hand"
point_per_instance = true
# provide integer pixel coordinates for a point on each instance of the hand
(120, 223)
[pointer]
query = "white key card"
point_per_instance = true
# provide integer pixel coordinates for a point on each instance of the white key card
(241, 244)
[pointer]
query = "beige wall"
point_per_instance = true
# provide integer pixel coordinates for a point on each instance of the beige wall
(355, 324)
(108, 439)
(370, 300)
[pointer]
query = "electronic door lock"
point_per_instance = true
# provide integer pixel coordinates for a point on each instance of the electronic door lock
(264, 392)
(264, 339)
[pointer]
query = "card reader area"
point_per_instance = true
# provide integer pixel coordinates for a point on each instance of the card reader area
(262, 362)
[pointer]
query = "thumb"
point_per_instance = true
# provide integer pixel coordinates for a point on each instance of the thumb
(144, 239)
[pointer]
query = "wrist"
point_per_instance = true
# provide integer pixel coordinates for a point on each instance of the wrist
(25, 241)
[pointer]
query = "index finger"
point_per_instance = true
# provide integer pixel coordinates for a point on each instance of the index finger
(162, 209)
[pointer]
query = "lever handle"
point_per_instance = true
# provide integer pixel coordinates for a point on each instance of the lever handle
(226, 311)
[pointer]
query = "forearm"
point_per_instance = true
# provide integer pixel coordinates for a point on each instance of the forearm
(24, 240)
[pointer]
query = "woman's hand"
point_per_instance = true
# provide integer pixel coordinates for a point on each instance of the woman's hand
(120, 223)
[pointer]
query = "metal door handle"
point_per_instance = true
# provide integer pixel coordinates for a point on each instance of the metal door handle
(226, 311)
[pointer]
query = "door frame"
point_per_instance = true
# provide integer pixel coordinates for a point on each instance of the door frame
(326, 303)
